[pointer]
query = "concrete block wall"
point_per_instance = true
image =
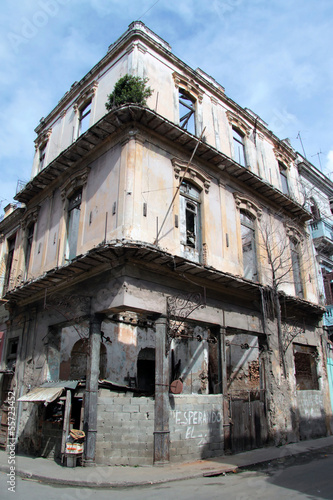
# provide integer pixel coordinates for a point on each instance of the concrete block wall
(196, 427)
(125, 429)
(311, 414)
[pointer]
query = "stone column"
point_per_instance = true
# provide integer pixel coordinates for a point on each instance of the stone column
(161, 428)
(91, 395)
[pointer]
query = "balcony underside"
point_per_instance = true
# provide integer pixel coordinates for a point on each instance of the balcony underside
(112, 254)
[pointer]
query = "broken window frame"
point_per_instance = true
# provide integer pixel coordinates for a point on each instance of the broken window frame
(10, 259)
(42, 156)
(73, 221)
(191, 207)
(305, 356)
(248, 228)
(239, 147)
(12, 351)
(284, 179)
(84, 117)
(28, 247)
(296, 267)
(316, 216)
(187, 121)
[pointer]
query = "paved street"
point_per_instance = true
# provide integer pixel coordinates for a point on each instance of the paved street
(312, 478)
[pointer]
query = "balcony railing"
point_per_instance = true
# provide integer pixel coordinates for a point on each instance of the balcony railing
(322, 234)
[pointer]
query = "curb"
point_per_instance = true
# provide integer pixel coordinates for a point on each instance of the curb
(214, 472)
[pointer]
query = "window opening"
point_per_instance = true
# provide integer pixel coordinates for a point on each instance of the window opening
(328, 286)
(42, 153)
(146, 370)
(296, 267)
(306, 368)
(28, 248)
(239, 148)
(186, 112)
(84, 118)
(10, 259)
(314, 209)
(190, 207)
(248, 246)
(284, 179)
(74, 207)
(12, 353)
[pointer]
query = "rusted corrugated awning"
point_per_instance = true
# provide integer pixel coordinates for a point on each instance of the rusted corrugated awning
(48, 392)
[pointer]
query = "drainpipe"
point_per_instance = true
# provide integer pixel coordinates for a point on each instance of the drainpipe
(161, 428)
(91, 394)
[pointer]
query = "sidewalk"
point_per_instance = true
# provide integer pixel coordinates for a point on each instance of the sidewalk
(48, 471)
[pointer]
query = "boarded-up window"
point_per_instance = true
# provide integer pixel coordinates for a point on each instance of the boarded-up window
(79, 358)
(306, 368)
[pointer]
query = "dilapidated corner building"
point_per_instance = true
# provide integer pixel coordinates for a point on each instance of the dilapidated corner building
(171, 305)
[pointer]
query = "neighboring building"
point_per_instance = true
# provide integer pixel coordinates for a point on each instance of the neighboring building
(171, 305)
(318, 198)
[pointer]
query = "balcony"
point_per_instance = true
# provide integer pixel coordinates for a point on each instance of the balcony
(328, 316)
(322, 234)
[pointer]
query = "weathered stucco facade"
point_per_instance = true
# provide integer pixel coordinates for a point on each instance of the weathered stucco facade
(180, 293)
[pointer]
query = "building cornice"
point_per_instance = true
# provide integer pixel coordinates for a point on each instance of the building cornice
(131, 114)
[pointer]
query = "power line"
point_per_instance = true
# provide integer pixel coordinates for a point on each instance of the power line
(147, 10)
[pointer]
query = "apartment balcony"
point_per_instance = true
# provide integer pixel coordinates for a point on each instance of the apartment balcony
(322, 235)
(328, 316)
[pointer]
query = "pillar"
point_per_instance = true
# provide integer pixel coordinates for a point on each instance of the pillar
(161, 427)
(91, 394)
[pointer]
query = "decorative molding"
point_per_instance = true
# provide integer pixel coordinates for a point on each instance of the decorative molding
(188, 84)
(238, 122)
(193, 174)
(294, 233)
(283, 156)
(76, 181)
(30, 217)
(42, 138)
(87, 94)
(247, 203)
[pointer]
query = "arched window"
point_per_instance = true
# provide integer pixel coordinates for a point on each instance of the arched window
(249, 246)
(79, 355)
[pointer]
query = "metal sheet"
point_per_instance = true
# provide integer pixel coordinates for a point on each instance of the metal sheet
(40, 394)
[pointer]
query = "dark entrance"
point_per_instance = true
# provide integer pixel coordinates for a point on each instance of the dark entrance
(146, 370)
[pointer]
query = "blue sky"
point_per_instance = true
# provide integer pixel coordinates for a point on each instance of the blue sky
(272, 56)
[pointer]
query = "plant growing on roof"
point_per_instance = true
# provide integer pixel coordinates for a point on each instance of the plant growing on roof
(129, 89)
